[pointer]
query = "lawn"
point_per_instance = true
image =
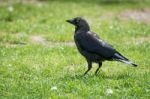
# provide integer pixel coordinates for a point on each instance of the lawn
(39, 60)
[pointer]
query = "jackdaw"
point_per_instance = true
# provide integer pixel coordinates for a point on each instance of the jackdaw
(92, 47)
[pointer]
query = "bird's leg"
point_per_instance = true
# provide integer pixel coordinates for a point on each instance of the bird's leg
(100, 64)
(89, 67)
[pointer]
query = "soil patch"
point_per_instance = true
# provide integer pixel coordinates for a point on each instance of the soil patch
(142, 15)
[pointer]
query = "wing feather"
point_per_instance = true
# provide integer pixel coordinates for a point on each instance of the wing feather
(93, 44)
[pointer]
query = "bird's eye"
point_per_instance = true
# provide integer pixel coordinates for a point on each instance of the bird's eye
(77, 21)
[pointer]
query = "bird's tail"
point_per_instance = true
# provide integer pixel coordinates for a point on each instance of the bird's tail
(121, 58)
(128, 62)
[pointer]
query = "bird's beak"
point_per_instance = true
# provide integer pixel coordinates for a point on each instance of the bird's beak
(70, 21)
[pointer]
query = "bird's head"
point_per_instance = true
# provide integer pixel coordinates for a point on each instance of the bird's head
(79, 23)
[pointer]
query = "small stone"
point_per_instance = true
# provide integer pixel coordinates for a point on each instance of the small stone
(54, 88)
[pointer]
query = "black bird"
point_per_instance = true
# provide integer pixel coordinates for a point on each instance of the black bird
(92, 47)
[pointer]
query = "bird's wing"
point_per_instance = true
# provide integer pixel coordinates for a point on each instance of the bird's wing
(97, 37)
(93, 44)
(94, 34)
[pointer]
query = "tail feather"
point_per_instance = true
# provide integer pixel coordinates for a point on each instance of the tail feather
(128, 62)
(117, 56)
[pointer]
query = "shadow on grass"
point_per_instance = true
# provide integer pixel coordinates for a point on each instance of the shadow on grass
(101, 75)
(115, 77)
(18, 43)
(105, 2)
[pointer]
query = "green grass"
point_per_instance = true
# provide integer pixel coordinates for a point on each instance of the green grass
(32, 70)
